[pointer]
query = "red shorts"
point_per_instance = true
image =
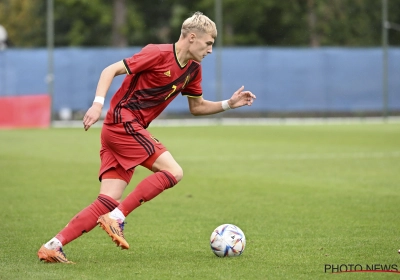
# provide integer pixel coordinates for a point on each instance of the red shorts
(125, 146)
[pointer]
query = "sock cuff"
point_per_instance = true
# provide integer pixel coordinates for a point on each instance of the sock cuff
(171, 178)
(107, 201)
(61, 238)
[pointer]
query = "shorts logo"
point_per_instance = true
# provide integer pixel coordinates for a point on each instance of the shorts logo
(155, 139)
(168, 73)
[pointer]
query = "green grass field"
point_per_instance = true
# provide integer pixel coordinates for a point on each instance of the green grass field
(305, 196)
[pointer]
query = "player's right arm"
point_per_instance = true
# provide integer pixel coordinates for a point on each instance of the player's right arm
(105, 80)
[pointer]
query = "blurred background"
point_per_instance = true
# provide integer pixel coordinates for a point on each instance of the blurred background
(302, 58)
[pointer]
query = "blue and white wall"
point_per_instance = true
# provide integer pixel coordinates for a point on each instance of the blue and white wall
(284, 79)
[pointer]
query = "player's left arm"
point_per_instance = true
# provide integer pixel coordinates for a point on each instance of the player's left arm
(199, 106)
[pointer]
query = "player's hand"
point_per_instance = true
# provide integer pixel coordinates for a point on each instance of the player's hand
(241, 97)
(92, 115)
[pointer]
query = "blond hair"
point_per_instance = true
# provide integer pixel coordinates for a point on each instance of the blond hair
(199, 22)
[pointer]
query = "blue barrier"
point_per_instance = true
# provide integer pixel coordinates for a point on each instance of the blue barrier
(284, 79)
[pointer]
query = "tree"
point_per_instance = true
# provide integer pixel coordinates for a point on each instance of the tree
(82, 22)
(22, 20)
(246, 23)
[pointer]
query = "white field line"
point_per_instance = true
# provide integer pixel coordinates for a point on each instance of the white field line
(246, 121)
(305, 156)
(356, 155)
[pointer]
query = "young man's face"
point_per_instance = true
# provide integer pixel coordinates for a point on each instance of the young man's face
(201, 45)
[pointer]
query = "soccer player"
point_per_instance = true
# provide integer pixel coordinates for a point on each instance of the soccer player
(154, 77)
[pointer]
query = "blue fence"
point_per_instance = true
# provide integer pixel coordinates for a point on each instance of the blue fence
(284, 79)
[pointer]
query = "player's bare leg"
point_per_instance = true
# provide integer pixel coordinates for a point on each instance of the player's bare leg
(167, 162)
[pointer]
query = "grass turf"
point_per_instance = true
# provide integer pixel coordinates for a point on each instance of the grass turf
(305, 196)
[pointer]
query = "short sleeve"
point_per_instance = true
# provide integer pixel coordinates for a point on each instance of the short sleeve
(143, 60)
(194, 89)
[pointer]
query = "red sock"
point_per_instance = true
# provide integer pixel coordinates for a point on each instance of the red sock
(148, 189)
(86, 220)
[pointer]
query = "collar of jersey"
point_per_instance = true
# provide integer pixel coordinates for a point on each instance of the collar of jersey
(176, 58)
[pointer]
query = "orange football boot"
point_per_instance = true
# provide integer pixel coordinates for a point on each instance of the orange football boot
(52, 256)
(114, 228)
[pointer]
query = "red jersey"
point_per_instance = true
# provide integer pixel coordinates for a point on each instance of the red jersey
(155, 77)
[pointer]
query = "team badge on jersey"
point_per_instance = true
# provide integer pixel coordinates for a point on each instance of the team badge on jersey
(168, 73)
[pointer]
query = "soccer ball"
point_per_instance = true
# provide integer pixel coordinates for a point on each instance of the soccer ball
(227, 240)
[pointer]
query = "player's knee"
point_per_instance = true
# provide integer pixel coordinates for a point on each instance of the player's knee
(166, 162)
(177, 172)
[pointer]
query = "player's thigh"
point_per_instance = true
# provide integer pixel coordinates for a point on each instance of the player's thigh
(113, 188)
(167, 162)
